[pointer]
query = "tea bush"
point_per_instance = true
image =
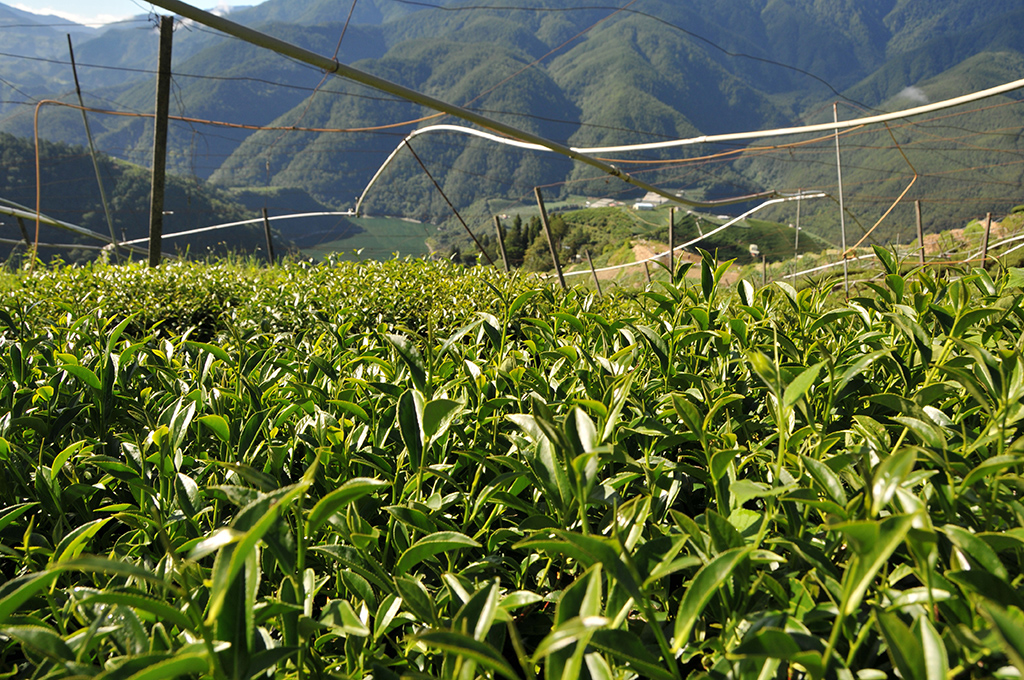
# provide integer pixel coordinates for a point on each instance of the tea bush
(405, 469)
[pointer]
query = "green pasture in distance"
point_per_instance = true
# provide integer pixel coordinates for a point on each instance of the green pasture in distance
(381, 239)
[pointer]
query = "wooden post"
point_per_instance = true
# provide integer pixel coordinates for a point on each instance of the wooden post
(24, 233)
(796, 237)
(799, 202)
(842, 208)
(796, 241)
(92, 150)
(593, 273)
(551, 239)
(270, 239)
(920, 231)
(501, 242)
(672, 243)
(163, 97)
(984, 243)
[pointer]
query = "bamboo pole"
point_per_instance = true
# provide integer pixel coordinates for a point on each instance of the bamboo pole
(163, 98)
(270, 239)
(984, 245)
(551, 240)
(796, 236)
(501, 242)
(597, 281)
(672, 243)
(842, 208)
(92, 150)
(920, 231)
(24, 232)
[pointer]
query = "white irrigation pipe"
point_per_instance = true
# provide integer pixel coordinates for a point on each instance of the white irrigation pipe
(1005, 253)
(798, 197)
(703, 139)
(827, 266)
(820, 127)
(347, 213)
(67, 226)
(750, 134)
(999, 244)
(65, 246)
(866, 257)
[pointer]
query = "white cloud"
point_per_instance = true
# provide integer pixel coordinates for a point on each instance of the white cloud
(914, 94)
(85, 19)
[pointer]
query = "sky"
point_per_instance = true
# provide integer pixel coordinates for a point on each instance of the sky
(92, 12)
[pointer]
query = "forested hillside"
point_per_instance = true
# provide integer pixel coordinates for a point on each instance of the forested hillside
(70, 194)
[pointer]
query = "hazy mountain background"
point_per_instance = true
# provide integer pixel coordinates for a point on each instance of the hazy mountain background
(658, 69)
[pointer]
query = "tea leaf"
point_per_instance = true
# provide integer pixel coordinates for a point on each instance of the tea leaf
(330, 504)
(465, 646)
(440, 542)
(796, 389)
(705, 584)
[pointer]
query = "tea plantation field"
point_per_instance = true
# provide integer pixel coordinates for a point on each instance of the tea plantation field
(411, 469)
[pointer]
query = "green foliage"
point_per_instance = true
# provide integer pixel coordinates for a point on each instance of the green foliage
(191, 203)
(410, 469)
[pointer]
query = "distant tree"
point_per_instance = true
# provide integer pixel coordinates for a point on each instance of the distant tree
(537, 257)
(576, 240)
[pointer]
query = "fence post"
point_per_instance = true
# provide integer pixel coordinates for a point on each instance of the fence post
(672, 243)
(842, 208)
(796, 237)
(24, 234)
(593, 273)
(163, 95)
(551, 239)
(501, 242)
(920, 231)
(647, 270)
(984, 245)
(92, 150)
(270, 239)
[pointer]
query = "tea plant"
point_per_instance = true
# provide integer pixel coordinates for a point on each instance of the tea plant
(402, 470)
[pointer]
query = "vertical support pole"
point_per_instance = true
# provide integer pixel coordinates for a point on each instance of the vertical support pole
(24, 234)
(920, 231)
(92, 149)
(764, 271)
(270, 239)
(842, 207)
(984, 244)
(796, 237)
(551, 239)
(796, 234)
(501, 242)
(796, 241)
(163, 97)
(647, 270)
(593, 273)
(672, 243)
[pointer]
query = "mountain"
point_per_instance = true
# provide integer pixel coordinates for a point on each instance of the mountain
(584, 76)
(69, 193)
